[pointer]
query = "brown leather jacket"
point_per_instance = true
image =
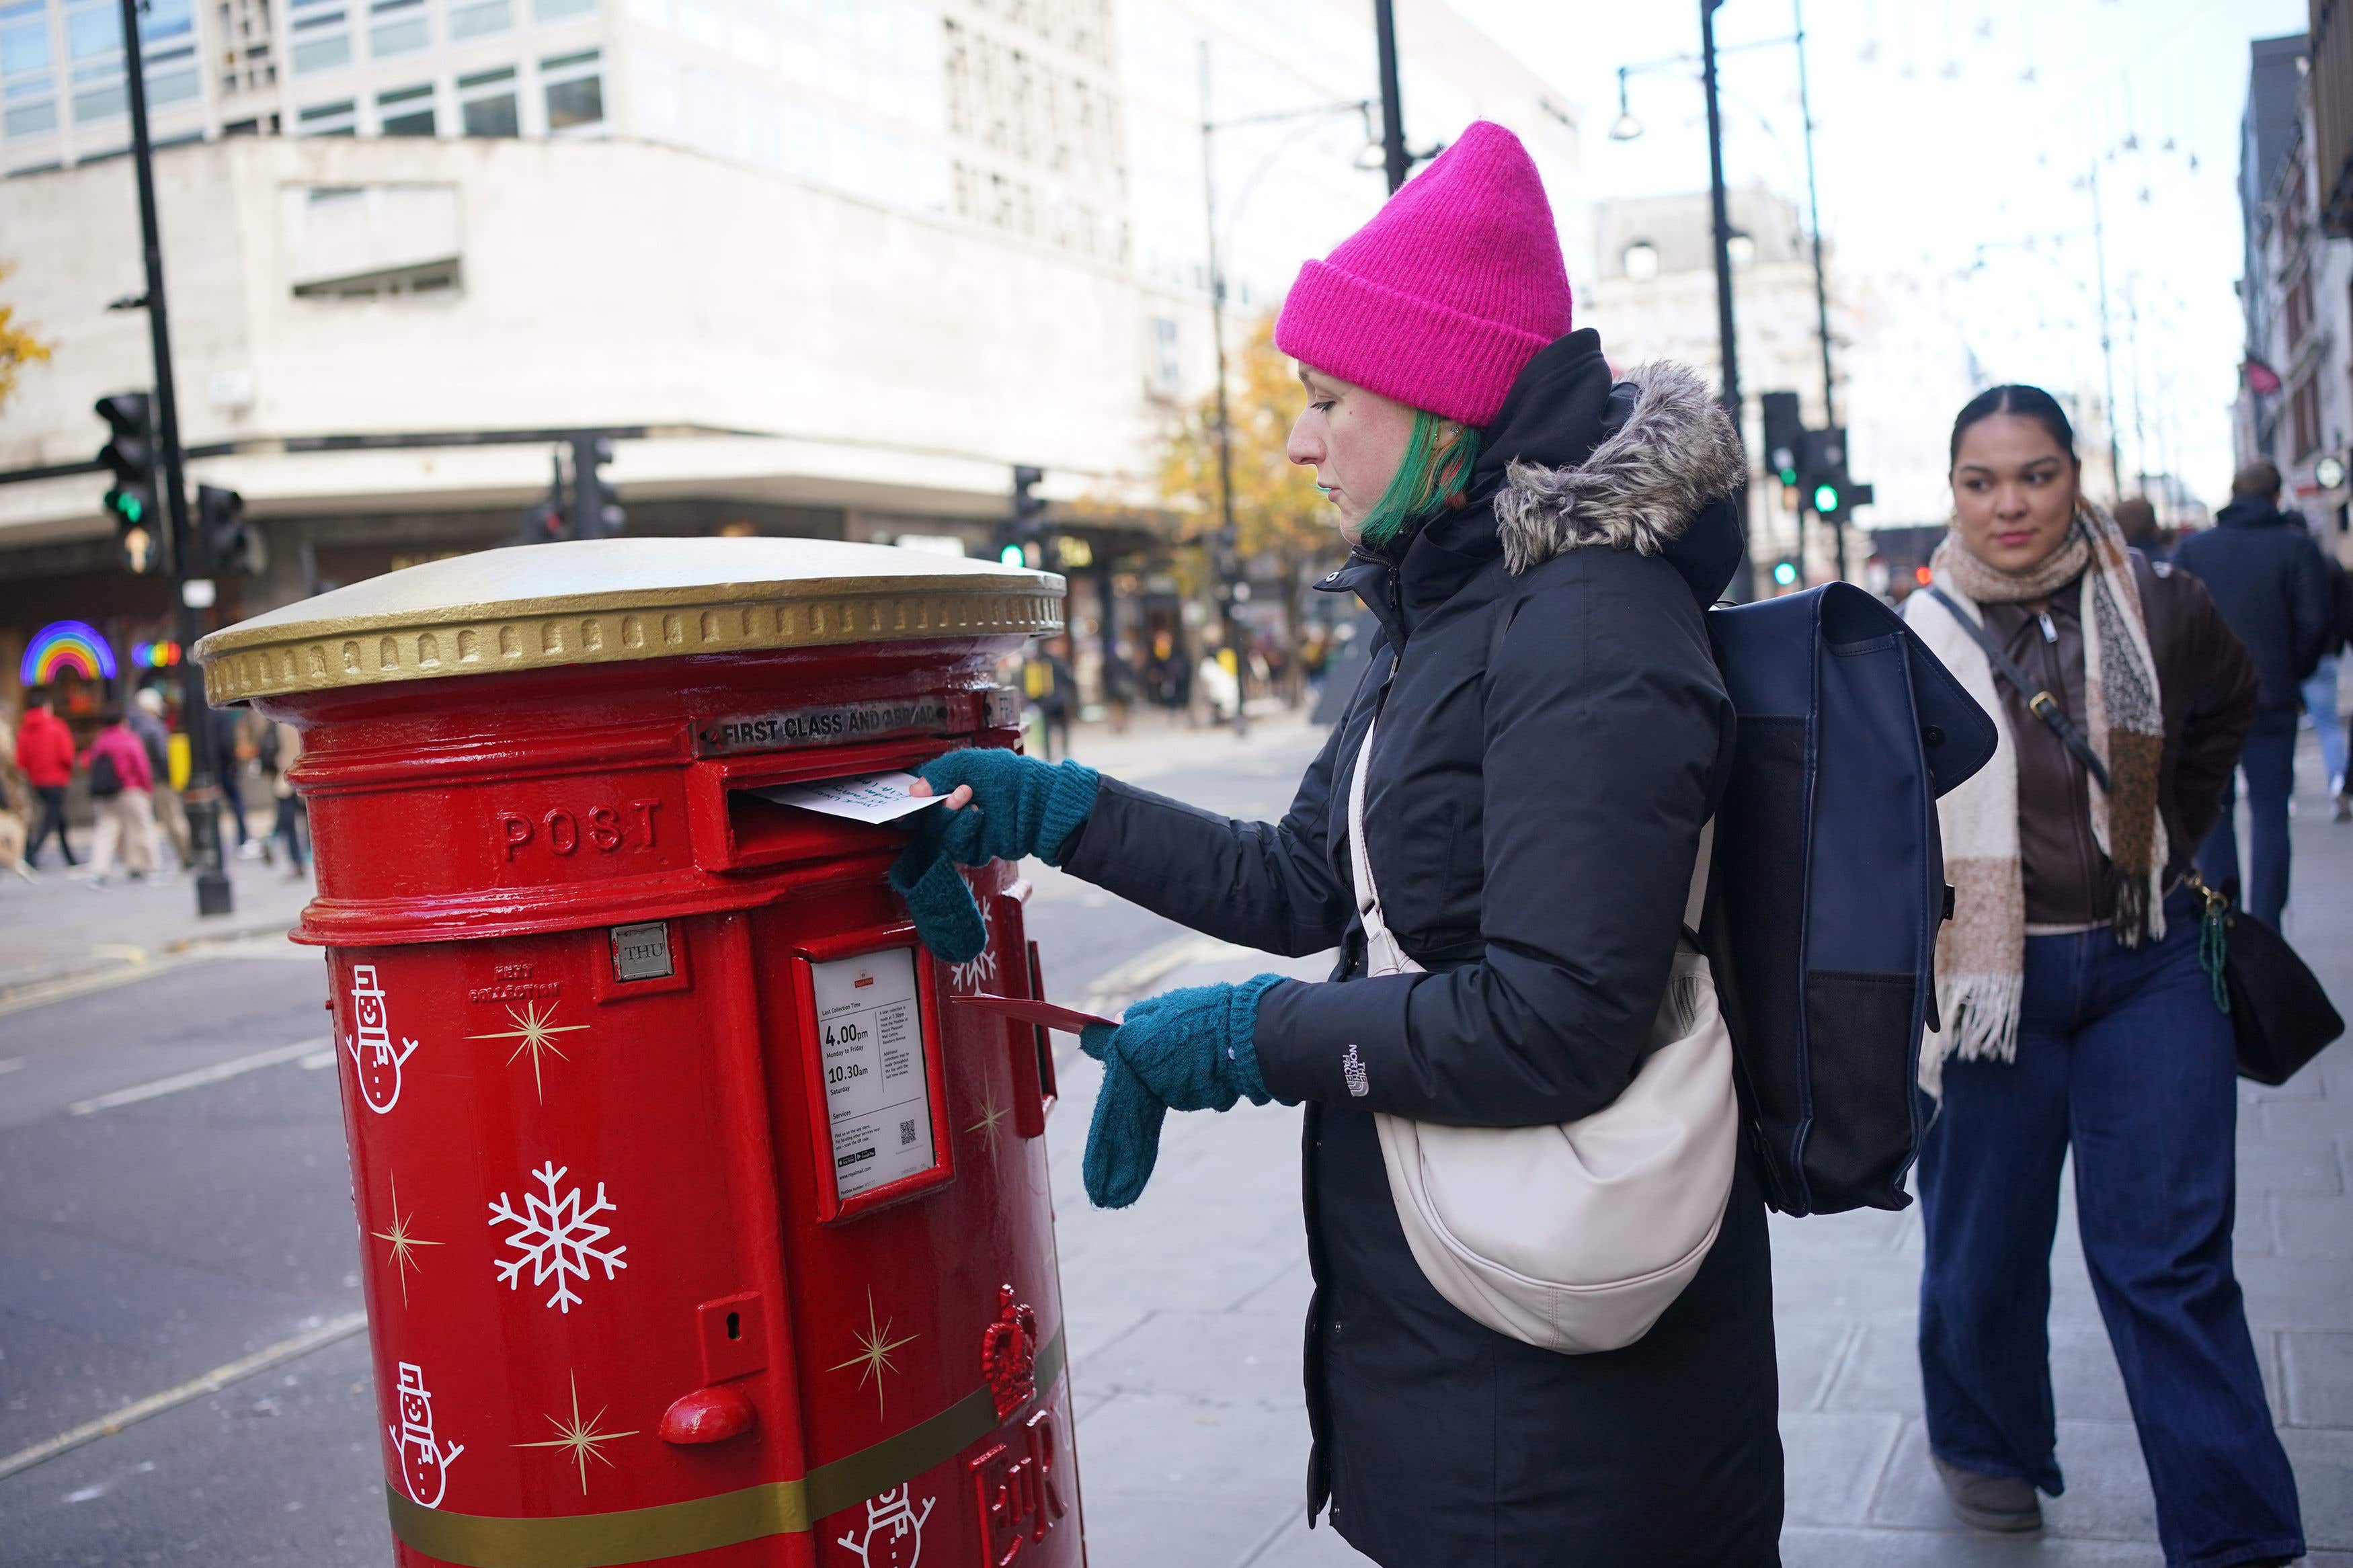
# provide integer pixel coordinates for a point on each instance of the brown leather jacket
(2208, 686)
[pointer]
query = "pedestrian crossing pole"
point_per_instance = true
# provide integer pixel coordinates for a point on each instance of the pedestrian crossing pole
(191, 591)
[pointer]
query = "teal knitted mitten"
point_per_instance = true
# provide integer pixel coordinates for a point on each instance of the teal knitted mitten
(1024, 806)
(925, 874)
(1190, 1049)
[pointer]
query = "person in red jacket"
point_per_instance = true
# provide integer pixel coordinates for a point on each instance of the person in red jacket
(45, 750)
(122, 791)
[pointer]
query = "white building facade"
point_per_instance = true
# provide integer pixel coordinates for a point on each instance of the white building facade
(824, 267)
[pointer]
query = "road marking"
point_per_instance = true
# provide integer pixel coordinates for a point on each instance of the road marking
(213, 1382)
(131, 964)
(199, 1077)
(1117, 986)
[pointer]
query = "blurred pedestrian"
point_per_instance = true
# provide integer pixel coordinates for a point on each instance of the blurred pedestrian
(2075, 1012)
(2264, 572)
(233, 753)
(1530, 783)
(280, 746)
(120, 794)
(2319, 690)
(45, 750)
(1119, 679)
(2137, 520)
(1053, 691)
(146, 719)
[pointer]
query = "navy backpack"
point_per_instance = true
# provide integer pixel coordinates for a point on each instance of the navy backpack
(1828, 884)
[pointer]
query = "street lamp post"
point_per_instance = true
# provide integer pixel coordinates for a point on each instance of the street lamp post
(1227, 545)
(1227, 534)
(189, 592)
(1822, 285)
(1395, 161)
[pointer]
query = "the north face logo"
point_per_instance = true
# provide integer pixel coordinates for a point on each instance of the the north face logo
(1352, 1069)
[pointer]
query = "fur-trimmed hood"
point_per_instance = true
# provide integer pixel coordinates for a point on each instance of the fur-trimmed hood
(1671, 450)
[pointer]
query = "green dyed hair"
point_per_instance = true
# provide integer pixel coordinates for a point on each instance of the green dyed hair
(1430, 475)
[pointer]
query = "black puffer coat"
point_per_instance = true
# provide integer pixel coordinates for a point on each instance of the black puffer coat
(1534, 820)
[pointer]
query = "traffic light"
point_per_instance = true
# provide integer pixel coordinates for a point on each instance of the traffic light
(227, 548)
(1785, 573)
(1828, 499)
(1022, 528)
(1785, 432)
(596, 511)
(130, 456)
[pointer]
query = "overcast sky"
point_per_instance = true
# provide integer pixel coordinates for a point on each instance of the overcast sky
(1947, 125)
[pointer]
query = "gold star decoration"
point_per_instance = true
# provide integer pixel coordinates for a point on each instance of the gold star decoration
(874, 1347)
(993, 1116)
(581, 1440)
(402, 1240)
(532, 1033)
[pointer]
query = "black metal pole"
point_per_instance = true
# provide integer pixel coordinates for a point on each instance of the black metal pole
(1821, 284)
(1393, 153)
(1745, 580)
(203, 794)
(1225, 549)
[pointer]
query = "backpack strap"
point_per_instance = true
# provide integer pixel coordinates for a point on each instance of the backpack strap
(2044, 706)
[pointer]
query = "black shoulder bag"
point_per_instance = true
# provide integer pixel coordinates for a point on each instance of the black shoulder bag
(2280, 1013)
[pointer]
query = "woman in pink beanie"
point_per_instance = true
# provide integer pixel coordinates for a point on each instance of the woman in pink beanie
(1539, 545)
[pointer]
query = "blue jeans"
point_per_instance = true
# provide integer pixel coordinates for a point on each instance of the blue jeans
(2320, 703)
(2269, 762)
(2122, 1054)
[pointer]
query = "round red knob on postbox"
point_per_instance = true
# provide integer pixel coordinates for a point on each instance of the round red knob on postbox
(647, 1081)
(709, 1415)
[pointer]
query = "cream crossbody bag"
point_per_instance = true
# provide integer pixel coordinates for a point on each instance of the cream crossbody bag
(1572, 1237)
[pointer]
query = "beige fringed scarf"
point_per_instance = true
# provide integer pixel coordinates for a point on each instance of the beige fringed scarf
(1981, 954)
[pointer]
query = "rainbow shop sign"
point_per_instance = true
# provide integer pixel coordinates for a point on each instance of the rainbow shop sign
(67, 647)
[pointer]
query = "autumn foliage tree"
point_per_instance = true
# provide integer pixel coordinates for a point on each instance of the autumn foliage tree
(1277, 510)
(18, 348)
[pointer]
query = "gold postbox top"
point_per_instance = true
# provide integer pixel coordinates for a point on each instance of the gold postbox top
(604, 601)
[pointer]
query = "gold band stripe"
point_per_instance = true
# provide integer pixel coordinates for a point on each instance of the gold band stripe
(673, 1529)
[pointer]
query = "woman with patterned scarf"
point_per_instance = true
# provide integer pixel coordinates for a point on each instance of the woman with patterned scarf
(2076, 1014)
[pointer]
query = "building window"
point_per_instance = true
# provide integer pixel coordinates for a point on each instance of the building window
(556, 10)
(340, 118)
(28, 87)
(397, 28)
(1166, 364)
(2304, 410)
(406, 112)
(486, 103)
(323, 39)
(574, 87)
(481, 20)
(98, 91)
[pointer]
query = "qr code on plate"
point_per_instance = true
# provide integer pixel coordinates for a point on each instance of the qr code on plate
(906, 1132)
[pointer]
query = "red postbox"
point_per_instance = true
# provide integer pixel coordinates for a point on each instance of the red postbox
(696, 1227)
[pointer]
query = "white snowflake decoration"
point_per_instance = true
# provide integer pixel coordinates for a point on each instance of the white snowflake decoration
(977, 974)
(556, 1237)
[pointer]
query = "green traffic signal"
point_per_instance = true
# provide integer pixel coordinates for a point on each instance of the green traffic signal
(1789, 477)
(1826, 498)
(1785, 573)
(1011, 555)
(127, 506)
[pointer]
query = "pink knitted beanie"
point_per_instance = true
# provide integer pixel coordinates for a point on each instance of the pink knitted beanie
(1440, 300)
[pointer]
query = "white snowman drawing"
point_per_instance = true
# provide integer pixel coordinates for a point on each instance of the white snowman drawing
(894, 1529)
(423, 1467)
(374, 1060)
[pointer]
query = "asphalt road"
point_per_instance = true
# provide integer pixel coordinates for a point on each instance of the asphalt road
(174, 1200)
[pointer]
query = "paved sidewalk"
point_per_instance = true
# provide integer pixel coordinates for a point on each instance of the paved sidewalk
(1184, 1318)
